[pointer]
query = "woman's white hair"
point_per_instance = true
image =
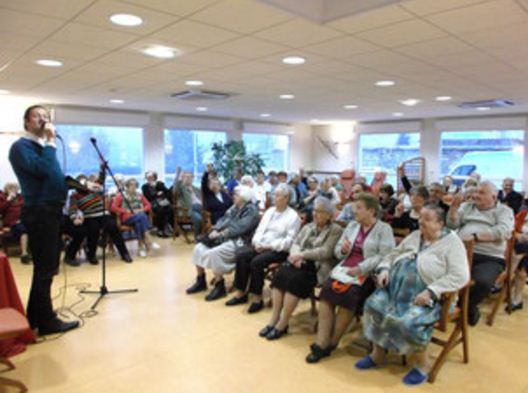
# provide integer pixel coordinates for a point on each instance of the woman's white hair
(325, 204)
(247, 180)
(244, 192)
(283, 189)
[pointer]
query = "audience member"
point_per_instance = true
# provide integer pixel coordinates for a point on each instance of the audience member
(188, 198)
(347, 213)
(271, 242)
(11, 202)
(310, 261)
(361, 247)
(262, 191)
(215, 200)
(158, 195)
(490, 224)
(234, 180)
(408, 220)
(509, 197)
(387, 202)
(400, 315)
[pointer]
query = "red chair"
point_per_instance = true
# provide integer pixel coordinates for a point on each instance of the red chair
(12, 325)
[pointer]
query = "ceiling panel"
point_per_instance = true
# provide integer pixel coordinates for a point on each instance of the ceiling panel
(179, 7)
(249, 47)
(342, 47)
(76, 33)
(62, 9)
(13, 22)
(371, 20)
(242, 16)
(435, 48)
(480, 16)
(402, 33)
(426, 7)
(298, 33)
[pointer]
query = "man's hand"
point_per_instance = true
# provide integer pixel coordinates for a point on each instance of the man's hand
(49, 131)
(424, 298)
(399, 210)
(294, 258)
(346, 247)
(78, 221)
(456, 201)
(261, 248)
(383, 278)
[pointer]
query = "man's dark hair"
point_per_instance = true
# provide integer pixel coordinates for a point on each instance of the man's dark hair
(28, 111)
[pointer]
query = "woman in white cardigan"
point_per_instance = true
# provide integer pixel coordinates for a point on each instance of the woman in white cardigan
(362, 246)
(400, 315)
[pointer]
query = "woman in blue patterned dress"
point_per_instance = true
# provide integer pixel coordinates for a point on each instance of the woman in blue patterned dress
(399, 316)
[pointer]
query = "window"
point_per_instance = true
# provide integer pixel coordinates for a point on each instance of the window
(121, 146)
(493, 154)
(190, 150)
(384, 152)
(273, 149)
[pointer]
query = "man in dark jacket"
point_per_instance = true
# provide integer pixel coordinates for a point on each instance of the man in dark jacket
(34, 161)
(508, 196)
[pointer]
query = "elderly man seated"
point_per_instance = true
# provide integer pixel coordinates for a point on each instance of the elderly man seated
(401, 314)
(216, 251)
(490, 224)
(310, 261)
(271, 242)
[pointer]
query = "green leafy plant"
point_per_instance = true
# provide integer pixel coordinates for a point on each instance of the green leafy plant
(231, 155)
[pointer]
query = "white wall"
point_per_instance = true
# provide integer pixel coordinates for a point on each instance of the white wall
(334, 147)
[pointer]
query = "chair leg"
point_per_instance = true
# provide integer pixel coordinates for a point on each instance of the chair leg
(7, 362)
(14, 383)
(447, 347)
(497, 305)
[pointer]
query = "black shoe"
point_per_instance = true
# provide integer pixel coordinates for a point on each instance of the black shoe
(255, 307)
(473, 317)
(515, 307)
(25, 259)
(219, 291)
(161, 234)
(266, 330)
(199, 286)
(127, 258)
(237, 300)
(318, 353)
(93, 261)
(57, 326)
(72, 262)
(275, 333)
(494, 290)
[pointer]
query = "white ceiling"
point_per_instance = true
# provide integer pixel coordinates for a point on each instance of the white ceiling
(467, 49)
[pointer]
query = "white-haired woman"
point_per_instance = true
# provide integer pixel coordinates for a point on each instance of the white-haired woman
(216, 251)
(311, 253)
(271, 242)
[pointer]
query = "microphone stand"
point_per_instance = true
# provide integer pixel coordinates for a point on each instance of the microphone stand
(103, 289)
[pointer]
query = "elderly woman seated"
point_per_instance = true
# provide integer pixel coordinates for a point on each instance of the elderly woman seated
(400, 315)
(311, 253)
(271, 242)
(362, 246)
(216, 251)
(405, 222)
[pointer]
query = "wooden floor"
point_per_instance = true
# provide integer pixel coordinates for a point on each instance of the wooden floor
(162, 340)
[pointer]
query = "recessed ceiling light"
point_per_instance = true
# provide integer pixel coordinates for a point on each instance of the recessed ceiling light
(161, 52)
(315, 121)
(443, 98)
(286, 96)
(350, 107)
(410, 102)
(265, 115)
(385, 83)
(194, 83)
(117, 101)
(4, 92)
(483, 108)
(397, 114)
(127, 20)
(49, 63)
(294, 60)
(201, 109)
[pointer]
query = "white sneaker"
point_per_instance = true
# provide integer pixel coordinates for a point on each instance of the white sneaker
(155, 246)
(143, 253)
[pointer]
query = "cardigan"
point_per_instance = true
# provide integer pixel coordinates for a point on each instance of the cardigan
(378, 243)
(322, 247)
(277, 230)
(443, 266)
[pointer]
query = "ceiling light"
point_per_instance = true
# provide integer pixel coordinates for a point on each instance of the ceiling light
(286, 96)
(49, 63)
(265, 115)
(483, 108)
(117, 101)
(194, 83)
(443, 98)
(410, 102)
(161, 52)
(127, 20)
(294, 60)
(397, 114)
(350, 107)
(4, 92)
(201, 109)
(385, 83)
(315, 121)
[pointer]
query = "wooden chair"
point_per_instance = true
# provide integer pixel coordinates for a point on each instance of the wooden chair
(457, 315)
(504, 279)
(12, 324)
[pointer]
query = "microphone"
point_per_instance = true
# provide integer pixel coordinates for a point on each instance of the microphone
(43, 124)
(93, 140)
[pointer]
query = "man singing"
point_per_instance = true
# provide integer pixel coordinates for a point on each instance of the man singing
(33, 158)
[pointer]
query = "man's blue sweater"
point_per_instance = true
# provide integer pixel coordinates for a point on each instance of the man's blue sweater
(38, 171)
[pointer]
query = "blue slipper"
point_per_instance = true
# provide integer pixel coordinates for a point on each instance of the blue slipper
(415, 377)
(366, 363)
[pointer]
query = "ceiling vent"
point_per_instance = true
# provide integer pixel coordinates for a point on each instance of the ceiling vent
(499, 103)
(200, 95)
